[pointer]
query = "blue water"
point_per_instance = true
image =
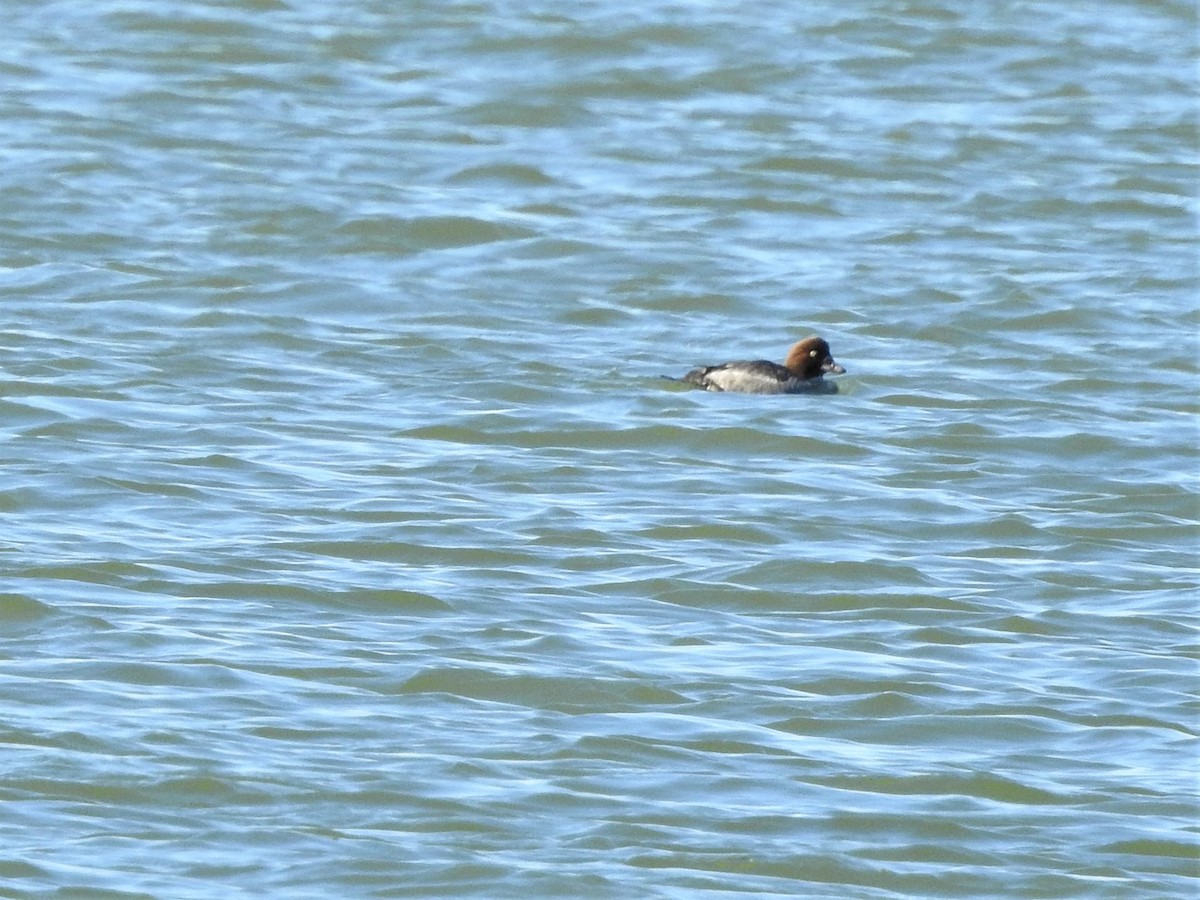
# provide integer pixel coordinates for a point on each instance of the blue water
(353, 542)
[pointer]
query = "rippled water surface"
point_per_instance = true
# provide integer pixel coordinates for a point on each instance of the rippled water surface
(353, 543)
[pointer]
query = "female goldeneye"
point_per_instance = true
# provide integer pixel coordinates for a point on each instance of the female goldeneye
(802, 371)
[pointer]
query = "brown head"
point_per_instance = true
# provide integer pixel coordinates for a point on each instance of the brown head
(811, 359)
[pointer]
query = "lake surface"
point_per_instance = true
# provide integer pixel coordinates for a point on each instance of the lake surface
(352, 542)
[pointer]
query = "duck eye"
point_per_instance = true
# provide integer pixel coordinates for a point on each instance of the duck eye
(812, 353)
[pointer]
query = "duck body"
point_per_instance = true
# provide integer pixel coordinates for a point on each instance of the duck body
(802, 372)
(756, 376)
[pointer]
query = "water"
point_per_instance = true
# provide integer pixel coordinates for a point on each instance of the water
(353, 544)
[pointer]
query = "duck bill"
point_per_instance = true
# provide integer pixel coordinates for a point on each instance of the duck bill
(832, 368)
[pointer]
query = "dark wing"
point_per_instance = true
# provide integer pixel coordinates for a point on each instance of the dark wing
(699, 376)
(762, 368)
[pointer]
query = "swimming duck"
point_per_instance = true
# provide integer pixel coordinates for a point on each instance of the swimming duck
(802, 371)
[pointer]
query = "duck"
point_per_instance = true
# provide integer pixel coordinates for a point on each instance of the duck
(802, 371)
